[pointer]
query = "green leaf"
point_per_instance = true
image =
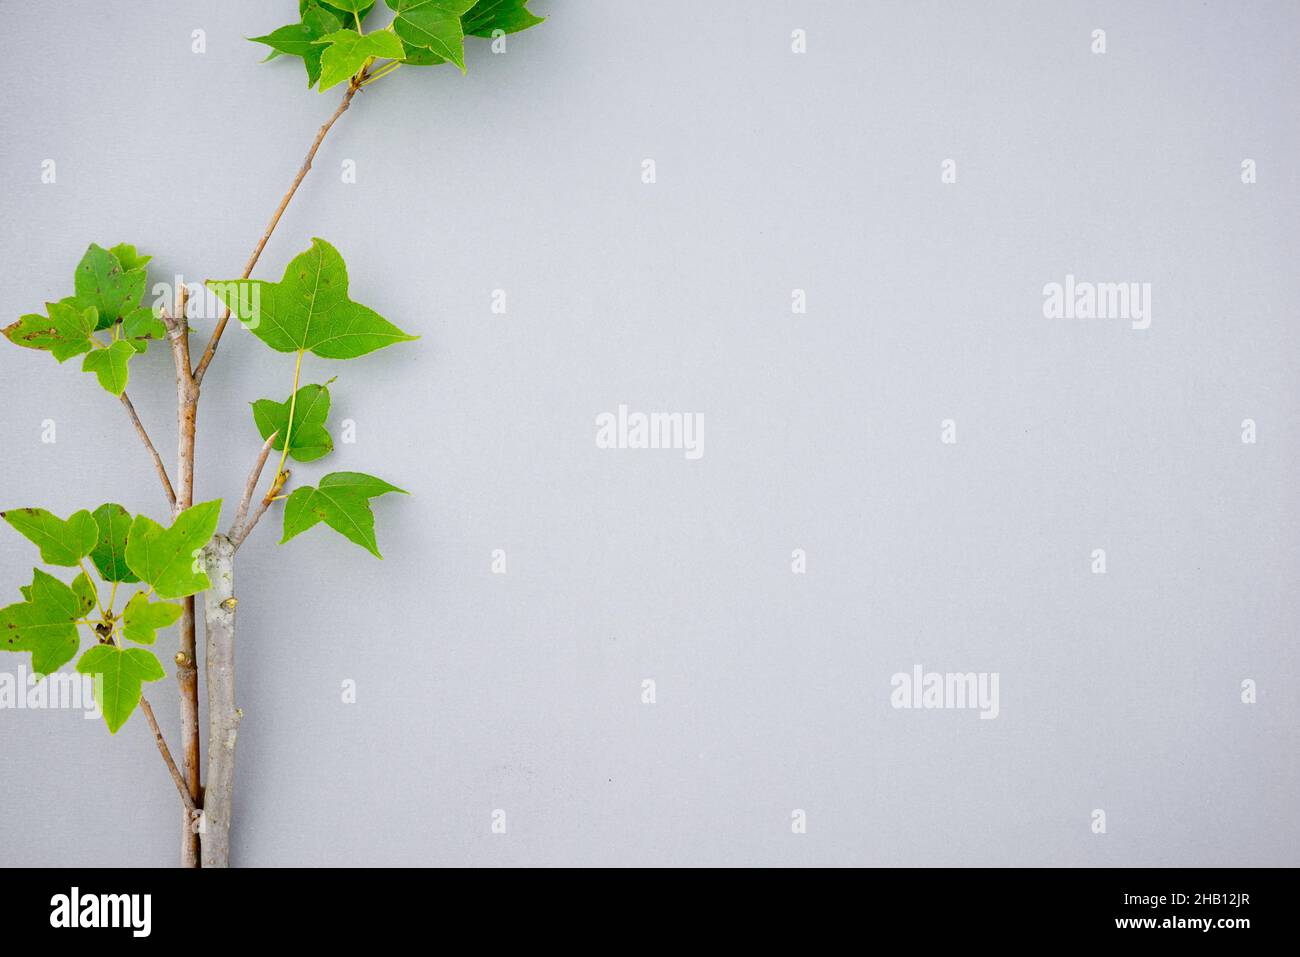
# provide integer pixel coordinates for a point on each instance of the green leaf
(308, 439)
(309, 308)
(109, 365)
(141, 327)
(433, 25)
(141, 618)
(128, 257)
(123, 673)
(64, 333)
(299, 39)
(418, 56)
(346, 52)
(86, 593)
(357, 8)
(102, 282)
(168, 558)
(44, 624)
(344, 9)
(61, 543)
(109, 554)
(341, 501)
(509, 16)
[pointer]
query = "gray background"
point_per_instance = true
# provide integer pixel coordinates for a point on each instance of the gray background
(775, 171)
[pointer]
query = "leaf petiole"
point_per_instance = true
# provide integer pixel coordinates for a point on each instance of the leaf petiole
(82, 565)
(385, 70)
(293, 402)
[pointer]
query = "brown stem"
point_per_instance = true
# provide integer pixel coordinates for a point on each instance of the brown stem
(186, 799)
(187, 681)
(206, 359)
(180, 497)
(187, 676)
(157, 459)
(241, 527)
(219, 601)
(276, 485)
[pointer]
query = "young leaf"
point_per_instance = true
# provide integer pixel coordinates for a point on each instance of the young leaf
(167, 558)
(86, 592)
(308, 438)
(128, 257)
(141, 327)
(341, 501)
(64, 333)
(109, 554)
(347, 51)
(433, 25)
(102, 282)
(61, 543)
(141, 618)
(109, 365)
(349, 11)
(123, 674)
(508, 16)
(45, 623)
(309, 308)
(299, 39)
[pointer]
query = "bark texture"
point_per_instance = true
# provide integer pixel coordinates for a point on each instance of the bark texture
(223, 716)
(187, 676)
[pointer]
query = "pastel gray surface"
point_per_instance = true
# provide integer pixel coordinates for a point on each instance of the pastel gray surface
(775, 171)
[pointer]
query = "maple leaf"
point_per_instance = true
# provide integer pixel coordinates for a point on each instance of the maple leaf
(299, 39)
(109, 554)
(432, 25)
(168, 558)
(64, 332)
(110, 365)
(309, 309)
(121, 674)
(45, 623)
(508, 16)
(141, 618)
(61, 542)
(103, 282)
(308, 438)
(341, 501)
(347, 52)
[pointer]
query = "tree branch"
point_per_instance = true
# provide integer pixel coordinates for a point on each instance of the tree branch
(223, 716)
(266, 501)
(187, 674)
(206, 359)
(157, 459)
(219, 601)
(241, 527)
(166, 753)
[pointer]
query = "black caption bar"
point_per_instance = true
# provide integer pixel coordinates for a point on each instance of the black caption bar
(334, 907)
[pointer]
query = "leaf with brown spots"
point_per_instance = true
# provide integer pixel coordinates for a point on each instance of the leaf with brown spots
(61, 543)
(45, 624)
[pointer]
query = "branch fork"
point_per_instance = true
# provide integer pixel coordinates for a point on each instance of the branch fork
(206, 812)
